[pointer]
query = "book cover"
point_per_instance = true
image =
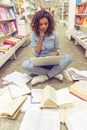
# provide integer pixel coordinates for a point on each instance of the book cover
(9, 43)
(3, 28)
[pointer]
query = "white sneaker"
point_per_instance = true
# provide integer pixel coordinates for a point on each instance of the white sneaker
(39, 79)
(59, 77)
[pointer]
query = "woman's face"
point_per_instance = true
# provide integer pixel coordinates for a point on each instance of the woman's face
(43, 24)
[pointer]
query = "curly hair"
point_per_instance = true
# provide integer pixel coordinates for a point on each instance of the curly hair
(35, 22)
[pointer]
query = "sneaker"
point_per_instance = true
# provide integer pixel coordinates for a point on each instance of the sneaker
(59, 77)
(39, 79)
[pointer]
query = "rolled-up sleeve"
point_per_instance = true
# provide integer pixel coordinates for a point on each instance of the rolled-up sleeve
(34, 41)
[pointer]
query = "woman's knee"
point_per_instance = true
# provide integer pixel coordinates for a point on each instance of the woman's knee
(25, 65)
(68, 57)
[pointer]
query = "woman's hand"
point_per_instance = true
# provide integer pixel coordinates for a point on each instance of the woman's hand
(41, 35)
(55, 53)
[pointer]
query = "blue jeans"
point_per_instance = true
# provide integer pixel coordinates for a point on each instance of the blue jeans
(50, 71)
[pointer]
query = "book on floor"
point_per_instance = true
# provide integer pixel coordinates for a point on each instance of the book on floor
(79, 89)
(36, 96)
(17, 91)
(9, 108)
(77, 121)
(13, 108)
(52, 98)
(40, 120)
(75, 74)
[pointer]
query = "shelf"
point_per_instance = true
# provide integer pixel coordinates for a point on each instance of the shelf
(8, 28)
(6, 20)
(11, 52)
(6, 56)
(79, 41)
(5, 5)
(19, 44)
(32, 1)
(3, 36)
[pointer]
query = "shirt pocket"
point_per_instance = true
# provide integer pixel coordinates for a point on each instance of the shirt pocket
(50, 44)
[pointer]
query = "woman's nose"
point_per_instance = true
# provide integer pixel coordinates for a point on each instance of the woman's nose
(43, 26)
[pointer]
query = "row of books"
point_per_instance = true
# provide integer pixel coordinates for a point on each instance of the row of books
(80, 1)
(6, 14)
(81, 9)
(10, 2)
(9, 43)
(80, 35)
(7, 28)
(81, 21)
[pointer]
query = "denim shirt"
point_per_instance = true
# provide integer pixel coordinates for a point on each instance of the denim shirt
(49, 45)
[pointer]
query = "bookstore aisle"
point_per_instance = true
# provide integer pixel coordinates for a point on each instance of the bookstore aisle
(79, 62)
(24, 53)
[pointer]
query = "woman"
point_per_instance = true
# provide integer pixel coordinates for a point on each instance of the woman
(44, 42)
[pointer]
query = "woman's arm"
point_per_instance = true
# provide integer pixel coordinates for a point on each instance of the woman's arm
(36, 43)
(39, 45)
(57, 45)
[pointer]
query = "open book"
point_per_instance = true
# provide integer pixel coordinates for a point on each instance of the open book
(79, 89)
(9, 108)
(77, 121)
(17, 91)
(75, 74)
(52, 98)
(40, 120)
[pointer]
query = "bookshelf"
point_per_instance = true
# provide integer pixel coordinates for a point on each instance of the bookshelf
(8, 28)
(27, 9)
(77, 23)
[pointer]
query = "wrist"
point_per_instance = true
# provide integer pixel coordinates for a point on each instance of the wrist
(41, 39)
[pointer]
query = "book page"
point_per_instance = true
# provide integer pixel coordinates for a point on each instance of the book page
(64, 97)
(40, 120)
(5, 99)
(17, 91)
(77, 121)
(18, 78)
(48, 97)
(36, 96)
(13, 106)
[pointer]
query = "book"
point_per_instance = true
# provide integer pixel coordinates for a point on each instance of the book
(10, 108)
(52, 98)
(17, 91)
(40, 120)
(18, 78)
(79, 89)
(6, 42)
(77, 121)
(78, 105)
(36, 96)
(75, 74)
